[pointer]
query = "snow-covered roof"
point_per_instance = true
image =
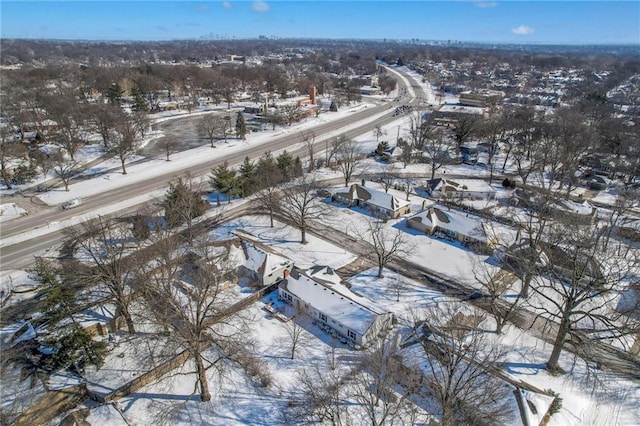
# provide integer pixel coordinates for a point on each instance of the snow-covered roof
(375, 197)
(453, 220)
(323, 273)
(336, 301)
(461, 109)
(469, 185)
(260, 258)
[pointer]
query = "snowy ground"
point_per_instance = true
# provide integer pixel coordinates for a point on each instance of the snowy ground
(236, 399)
(10, 211)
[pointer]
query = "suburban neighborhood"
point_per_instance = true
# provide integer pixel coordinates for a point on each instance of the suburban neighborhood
(283, 231)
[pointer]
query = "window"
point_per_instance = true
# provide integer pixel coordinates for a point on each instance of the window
(351, 335)
(323, 317)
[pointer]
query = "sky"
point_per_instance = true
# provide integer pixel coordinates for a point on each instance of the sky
(514, 21)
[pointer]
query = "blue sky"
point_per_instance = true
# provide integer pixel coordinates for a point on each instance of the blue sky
(556, 22)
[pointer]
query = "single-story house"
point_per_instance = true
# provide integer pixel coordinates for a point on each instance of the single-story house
(261, 263)
(379, 203)
(456, 225)
(318, 293)
(460, 189)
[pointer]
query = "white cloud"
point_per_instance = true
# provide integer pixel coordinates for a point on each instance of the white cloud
(523, 30)
(227, 5)
(485, 4)
(259, 6)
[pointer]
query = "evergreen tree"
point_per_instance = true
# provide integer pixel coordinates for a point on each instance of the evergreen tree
(284, 162)
(72, 348)
(241, 127)
(182, 204)
(333, 107)
(224, 180)
(382, 147)
(247, 177)
(69, 345)
(267, 172)
(114, 94)
(139, 102)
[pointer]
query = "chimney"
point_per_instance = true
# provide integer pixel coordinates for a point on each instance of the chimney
(362, 182)
(313, 93)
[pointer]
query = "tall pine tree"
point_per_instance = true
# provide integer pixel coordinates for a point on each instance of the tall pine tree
(284, 163)
(224, 180)
(241, 127)
(247, 177)
(69, 345)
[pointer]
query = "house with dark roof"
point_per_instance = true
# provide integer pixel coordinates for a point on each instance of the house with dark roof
(380, 203)
(319, 293)
(456, 225)
(261, 263)
(460, 189)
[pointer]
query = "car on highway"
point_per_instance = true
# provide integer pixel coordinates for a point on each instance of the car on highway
(75, 202)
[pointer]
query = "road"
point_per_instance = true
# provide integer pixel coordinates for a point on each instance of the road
(19, 255)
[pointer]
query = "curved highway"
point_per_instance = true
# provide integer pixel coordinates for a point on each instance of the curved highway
(18, 255)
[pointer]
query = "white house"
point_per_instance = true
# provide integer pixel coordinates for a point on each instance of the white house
(460, 189)
(379, 203)
(318, 293)
(466, 228)
(261, 263)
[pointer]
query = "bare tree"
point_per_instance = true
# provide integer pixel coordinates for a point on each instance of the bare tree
(493, 131)
(420, 130)
(378, 132)
(105, 243)
(63, 109)
(10, 152)
(495, 284)
(103, 118)
(169, 145)
(384, 244)
(300, 204)
(584, 272)
(319, 396)
(211, 127)
(460, 363)
(465, 126)
(436, 150)
(350, 160)
(387, 177)
(383, 384)
(407, 186)
(63, 168)
(188, 300)
(296, 330)
(124, 141)
(309, 139)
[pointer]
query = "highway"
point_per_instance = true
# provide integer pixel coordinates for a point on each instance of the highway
(21, 254)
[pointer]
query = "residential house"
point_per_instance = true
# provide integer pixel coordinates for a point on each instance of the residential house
(318, 293)
(460, 189)
(380, 203)
(455, 225)
(261, 263)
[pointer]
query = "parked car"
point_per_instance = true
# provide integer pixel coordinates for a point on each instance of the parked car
(72, 203)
